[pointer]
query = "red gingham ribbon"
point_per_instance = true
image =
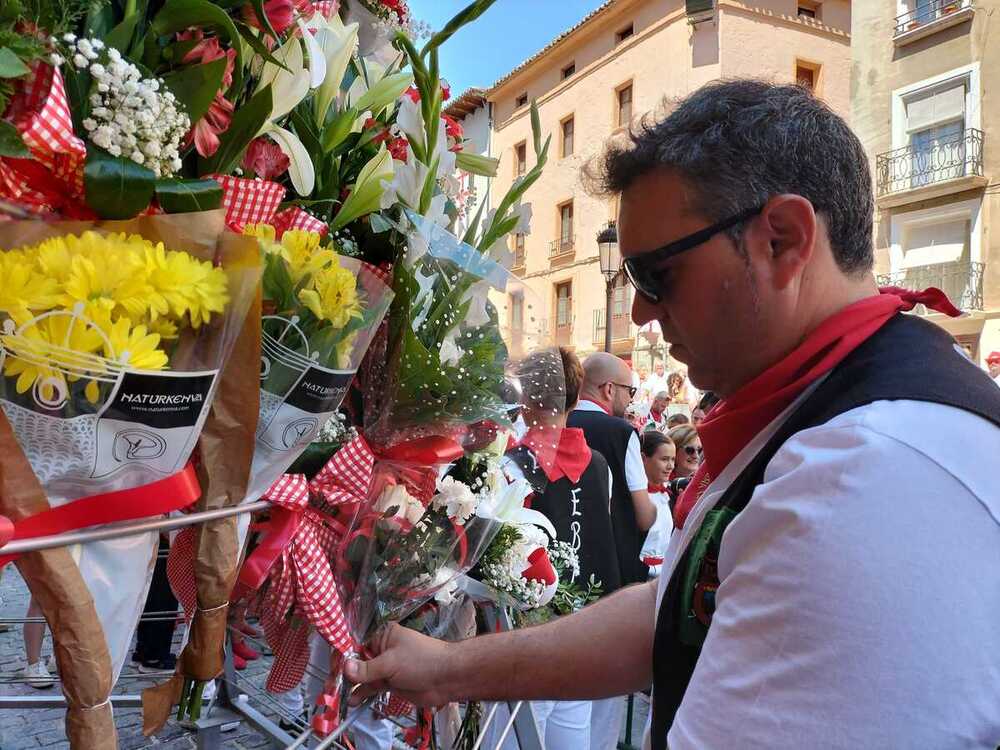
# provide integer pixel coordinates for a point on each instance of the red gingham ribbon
(40, 111)
(302, 580)
(249, 201)
(296, 218)
(180, 571)
(397, 706)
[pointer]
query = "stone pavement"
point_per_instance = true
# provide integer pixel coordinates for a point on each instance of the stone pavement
(22, 729)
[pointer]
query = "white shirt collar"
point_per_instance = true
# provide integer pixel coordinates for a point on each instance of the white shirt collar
(587, 405)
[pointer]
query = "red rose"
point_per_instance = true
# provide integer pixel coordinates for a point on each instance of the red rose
(265, 159)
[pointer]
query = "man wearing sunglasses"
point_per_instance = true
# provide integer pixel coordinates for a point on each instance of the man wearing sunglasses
(834, 579)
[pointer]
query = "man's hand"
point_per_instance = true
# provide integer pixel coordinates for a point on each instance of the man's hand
(411, 665)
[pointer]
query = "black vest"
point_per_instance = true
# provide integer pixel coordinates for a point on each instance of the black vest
(908, 358)
(579, 513)
(610, 436)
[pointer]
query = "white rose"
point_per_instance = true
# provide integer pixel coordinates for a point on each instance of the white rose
(401, 503)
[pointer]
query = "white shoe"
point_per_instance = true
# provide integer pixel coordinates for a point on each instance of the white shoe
(50, 664)
(36, 675)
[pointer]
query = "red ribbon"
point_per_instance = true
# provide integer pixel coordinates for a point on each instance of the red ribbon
(540, 568)
(156, 498)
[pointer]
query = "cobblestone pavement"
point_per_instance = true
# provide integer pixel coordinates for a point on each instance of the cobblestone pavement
(22, 729)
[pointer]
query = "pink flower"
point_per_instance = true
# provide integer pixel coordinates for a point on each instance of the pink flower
(205, 133)
(398, 147)
(445, 91)
(265, 159)
(207, 130)
(413, 93)
(280, 14)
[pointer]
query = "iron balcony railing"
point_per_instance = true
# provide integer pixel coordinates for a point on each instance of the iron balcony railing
(914, 166)
(561, 246)
(621, 327)
(962, 281)
(928, 11)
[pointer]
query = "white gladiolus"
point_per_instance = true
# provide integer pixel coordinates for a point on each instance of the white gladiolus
(337, 42)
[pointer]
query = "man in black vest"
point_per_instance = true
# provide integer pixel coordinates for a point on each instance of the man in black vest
(834, 580)
(607, 391)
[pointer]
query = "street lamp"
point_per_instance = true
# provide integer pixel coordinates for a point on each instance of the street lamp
(611, 261)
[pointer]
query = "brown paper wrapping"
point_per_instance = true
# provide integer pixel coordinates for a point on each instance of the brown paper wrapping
(226, 448)
(52, 575)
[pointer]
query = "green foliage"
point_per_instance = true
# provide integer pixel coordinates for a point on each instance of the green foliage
(11, 143)
(185, 196)
(116, 187)
(53, 16)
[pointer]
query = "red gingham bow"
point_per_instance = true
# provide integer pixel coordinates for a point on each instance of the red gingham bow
(40, 111)
(296, 218)
(249, 201)
(303, 581)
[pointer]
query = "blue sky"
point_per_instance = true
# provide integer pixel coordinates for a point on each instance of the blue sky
(504, 36)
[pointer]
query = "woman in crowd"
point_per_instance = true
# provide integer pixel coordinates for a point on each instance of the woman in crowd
(572, 487)
(658, 454)
(689, 450)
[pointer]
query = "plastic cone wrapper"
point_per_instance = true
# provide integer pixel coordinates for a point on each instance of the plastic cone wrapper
(319, 313)
(113, 338)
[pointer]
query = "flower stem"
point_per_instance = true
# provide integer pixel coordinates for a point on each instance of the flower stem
(198, 691)
(183, 703)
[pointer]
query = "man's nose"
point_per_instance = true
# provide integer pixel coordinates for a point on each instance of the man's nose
(643, 311)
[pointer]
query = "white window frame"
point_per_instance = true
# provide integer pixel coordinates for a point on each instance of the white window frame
(970, 210)
(969, 74)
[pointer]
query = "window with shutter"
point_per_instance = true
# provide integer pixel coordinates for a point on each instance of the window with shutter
(520, 159)
(567, 137)
(624, 105)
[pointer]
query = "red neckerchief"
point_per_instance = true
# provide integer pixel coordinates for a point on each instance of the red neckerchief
(736, 420)
(661, 488)
(655, 415)
(570, 458)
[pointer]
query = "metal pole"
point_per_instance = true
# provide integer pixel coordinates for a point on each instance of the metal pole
(132, 528)
(607, 313)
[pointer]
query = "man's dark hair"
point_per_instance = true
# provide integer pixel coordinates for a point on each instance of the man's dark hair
(677, 419)
(740, 142)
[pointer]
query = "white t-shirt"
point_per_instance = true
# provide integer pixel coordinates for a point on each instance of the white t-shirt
(635, 471)
(860, 590)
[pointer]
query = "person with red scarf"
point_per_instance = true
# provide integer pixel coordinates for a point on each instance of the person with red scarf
(834, 580)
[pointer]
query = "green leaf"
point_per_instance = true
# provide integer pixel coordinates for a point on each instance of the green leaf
(475, 164)
(187, 196)
(100, 19)
(11, 143)
(116, 188)
(338, 129)
(11, 66)
(246, 123)
(465, 16)
(196, 85)
(121, 36)
(78, 84)
(251, 38)
(177, 15)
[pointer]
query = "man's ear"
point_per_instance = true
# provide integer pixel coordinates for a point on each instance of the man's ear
(788, 224)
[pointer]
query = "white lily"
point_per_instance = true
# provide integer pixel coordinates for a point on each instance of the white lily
(317, 60)
(406, 185)
(374, 71)
(288, 87)
(338, 43)
(366, 194)
(384, 92)
(506, 505)
(300, 166)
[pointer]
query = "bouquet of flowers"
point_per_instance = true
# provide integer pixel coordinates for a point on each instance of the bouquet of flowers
(113, 337)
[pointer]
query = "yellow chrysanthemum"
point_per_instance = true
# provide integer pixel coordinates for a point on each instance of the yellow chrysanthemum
(134, 346)
(182, 284)
(334, 296)
(47, 347)
(106, 271)
(22, 288)
(164, 328)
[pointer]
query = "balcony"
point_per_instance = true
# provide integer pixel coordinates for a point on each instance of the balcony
(962, 281)
(930, 18)
(914, 173)
(562, 252)
(621, 331)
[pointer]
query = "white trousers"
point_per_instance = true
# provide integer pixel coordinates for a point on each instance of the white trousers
(562, 725)
(606, 721)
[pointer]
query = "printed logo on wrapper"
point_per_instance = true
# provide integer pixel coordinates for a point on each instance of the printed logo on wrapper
(297, 397)
(134, 418)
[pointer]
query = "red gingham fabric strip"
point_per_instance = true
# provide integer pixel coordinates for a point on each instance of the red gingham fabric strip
(397, 706)
(296, 218)
(249, 201)
(180, 571)
(383, 272)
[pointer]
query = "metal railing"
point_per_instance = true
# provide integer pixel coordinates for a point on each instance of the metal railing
(927, 13)
(915, 166)
(621, 327)
(962, 281)
(561, 246)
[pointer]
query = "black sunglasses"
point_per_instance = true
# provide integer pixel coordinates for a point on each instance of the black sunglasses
(632, 390)
(644, 272)
(692, 450)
